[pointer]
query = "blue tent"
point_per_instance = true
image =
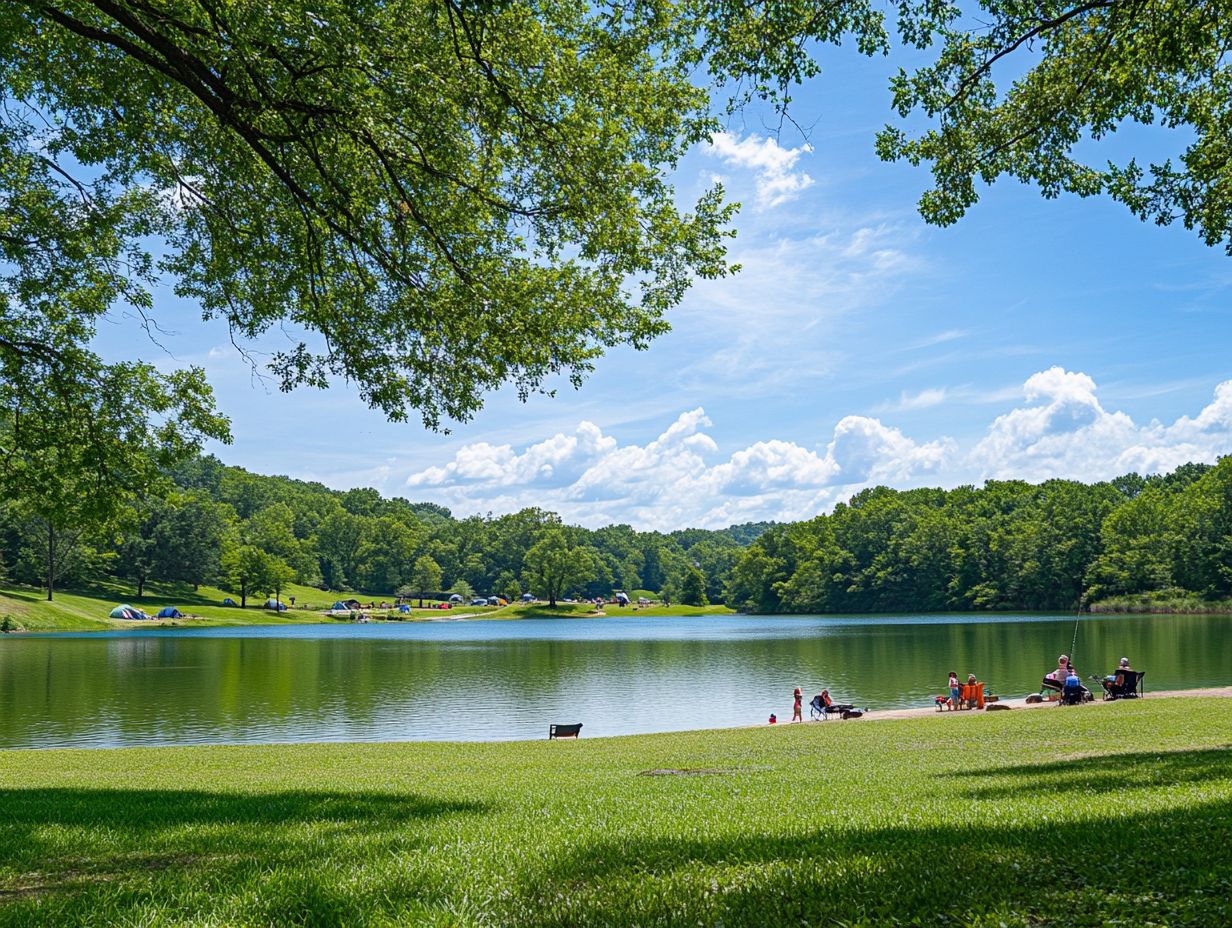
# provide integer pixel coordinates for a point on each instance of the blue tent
(275, 605)
(339, 606)
(125, 611)
(228, 601)
(404, 608)
(169, 612)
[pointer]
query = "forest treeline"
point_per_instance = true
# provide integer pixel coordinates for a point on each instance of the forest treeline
(253, 535)
(1006, 545)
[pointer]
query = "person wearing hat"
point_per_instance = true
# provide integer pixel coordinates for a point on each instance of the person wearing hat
(1117, 679)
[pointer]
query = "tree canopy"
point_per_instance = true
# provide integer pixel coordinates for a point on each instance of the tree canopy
(433, 198)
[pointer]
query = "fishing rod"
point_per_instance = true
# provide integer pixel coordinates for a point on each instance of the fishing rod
(1073, 643)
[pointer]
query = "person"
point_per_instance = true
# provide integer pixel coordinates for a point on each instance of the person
(955, 690)
(1062, 670)
(1117, 680)
(796, 715)
(773, 718)
(1072, 687)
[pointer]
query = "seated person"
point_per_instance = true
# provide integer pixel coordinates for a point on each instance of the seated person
(1115, 682)
(1055, 680)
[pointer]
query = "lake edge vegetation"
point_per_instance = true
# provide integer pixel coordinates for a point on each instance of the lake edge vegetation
(1133, 544)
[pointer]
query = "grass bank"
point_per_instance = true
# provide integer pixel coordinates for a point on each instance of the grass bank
(89, 610)
(1115, 814)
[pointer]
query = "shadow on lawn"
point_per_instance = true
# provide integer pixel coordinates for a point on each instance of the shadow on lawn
(1102, 774)
(1169, 867)
(69, 855)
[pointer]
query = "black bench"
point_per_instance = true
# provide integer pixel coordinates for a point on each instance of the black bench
(564, 731)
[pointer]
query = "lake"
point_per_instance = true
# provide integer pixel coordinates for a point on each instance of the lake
(499, 680)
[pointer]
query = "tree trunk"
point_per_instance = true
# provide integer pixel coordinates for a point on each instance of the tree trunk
(243, 596)
(140, 586)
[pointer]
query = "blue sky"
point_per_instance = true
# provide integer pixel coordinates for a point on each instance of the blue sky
(859, 346)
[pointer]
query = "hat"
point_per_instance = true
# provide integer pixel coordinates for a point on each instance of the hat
(1125, 662)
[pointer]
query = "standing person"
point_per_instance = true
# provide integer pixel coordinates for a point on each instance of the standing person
(796, 715)
(955, 690)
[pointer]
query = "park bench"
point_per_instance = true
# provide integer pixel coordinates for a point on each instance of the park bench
(564, 731)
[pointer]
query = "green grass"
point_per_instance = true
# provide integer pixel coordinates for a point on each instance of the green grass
(89, 610)
(1164, 602)
(1101, 815)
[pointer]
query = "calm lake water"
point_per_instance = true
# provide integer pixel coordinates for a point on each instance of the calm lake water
(486, 680)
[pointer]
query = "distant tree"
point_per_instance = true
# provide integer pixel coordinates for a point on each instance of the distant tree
(463, 589)
(693, 587)
(507, 586)
(189, 537)
(81, 440)
(248, 570)
(553, 565)
(425, 577)
(281, 574)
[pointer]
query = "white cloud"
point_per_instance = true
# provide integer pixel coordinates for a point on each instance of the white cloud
(776, 181)
(676, 480)
(924, 399)
(1068, 433)
(681, 477)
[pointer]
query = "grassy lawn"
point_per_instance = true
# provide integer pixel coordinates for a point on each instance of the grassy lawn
(1118, 814)
(89, 610)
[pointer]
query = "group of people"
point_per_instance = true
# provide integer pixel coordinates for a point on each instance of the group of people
(1066, 678)
(956, 699)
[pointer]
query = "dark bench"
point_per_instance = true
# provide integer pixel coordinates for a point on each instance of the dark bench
(564, 731)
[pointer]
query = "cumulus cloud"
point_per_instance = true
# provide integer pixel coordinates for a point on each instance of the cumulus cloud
(558, 461)
(776, 180)
(682, 478)
(677, 479)
(1067, 432)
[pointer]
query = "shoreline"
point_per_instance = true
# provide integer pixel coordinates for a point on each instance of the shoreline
(1020, 703)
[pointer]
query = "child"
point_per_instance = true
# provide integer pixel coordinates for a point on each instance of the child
(796, 715)
(955, 690)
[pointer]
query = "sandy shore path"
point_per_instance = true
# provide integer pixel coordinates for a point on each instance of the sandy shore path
(1015, 704)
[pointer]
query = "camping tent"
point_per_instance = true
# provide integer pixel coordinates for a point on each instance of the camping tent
(456, 598)
(275, 605)
(404, 608)
(169, 612)
(126, 611)
(228, 601)
(339, 606)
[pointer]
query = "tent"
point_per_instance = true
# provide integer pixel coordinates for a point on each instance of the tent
(169, 612)
(404, 608)
(275, 605)
(125, 611)
(228, 601)
(456, 598)
(339, 606)
(528, 597)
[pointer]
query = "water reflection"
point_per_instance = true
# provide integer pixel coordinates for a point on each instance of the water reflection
(506, 680)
